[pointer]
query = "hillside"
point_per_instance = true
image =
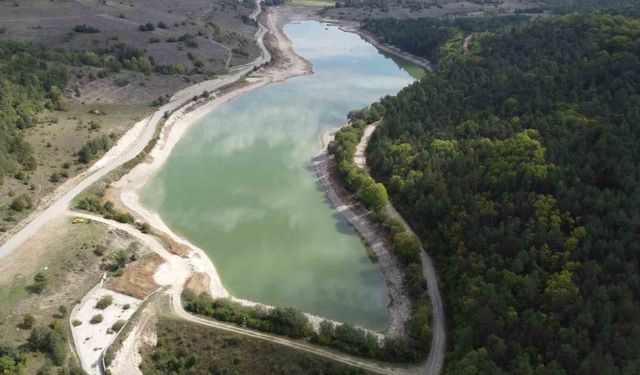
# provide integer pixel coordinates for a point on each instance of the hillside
(76, 75)
(517, 165)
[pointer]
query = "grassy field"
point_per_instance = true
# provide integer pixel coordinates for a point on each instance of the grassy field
(188, 348)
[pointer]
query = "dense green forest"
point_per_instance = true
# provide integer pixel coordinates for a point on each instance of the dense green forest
(518, 166)
(433, 37)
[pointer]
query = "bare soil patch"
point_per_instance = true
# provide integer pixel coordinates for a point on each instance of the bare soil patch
(137, 278)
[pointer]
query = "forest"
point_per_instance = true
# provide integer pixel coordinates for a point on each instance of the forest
(518, 166)
(430, 37)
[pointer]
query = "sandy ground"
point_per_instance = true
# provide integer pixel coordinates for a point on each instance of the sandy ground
(92, 339)
(137, 280)
(128, 359)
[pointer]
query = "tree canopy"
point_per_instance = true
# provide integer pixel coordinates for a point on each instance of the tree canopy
(518, 166)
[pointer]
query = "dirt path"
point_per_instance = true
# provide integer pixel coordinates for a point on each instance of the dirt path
(128, 358)
(467, 41)
(435, 361)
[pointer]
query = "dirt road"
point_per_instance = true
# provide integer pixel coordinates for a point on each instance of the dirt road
(435, 361)
(130, 145)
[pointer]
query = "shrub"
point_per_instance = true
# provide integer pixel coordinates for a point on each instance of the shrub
(117, 326)
(96, 319)
(39, 283)
(21, 202)
(28, 321)
(85, 29)
(104, 302)
(76, 322)
(99, 249)
(407, 247)
(50, 341)
(147, 27)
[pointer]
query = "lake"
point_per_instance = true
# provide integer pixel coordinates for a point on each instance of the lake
(241, 185)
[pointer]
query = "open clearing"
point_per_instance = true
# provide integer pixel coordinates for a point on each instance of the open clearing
(91, 337)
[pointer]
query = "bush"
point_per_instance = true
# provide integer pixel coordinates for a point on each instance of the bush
(117, 326)
(407, 247)
(99, 249)
(96, 319)
(76, 323)
(39, 283)
(28, 321)
(91, 149)
(50, 341)
(85, 29)
(356, 341)
(104, 302)
(21, 203)
(147, 27)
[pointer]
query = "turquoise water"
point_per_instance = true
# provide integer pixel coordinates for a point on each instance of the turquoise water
(241, 185)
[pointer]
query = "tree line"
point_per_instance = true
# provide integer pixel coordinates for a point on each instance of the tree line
(293, 323)
(406, 246)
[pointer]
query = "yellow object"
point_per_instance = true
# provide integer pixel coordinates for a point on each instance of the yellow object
(77, 221)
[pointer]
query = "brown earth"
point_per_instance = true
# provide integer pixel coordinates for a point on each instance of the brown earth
(137, 279)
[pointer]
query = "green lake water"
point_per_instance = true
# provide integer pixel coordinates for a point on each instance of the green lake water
(241, 185)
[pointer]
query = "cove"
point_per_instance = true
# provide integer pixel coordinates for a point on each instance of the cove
(240, 184)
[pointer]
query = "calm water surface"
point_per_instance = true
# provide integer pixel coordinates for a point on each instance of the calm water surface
(241, 186)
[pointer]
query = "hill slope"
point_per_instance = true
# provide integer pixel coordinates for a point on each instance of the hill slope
(518, 166)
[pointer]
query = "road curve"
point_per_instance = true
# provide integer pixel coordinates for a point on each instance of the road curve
(435, 360)
(133, 145)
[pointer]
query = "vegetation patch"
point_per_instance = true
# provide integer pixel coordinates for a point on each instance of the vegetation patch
(292, 323)
(188, 348)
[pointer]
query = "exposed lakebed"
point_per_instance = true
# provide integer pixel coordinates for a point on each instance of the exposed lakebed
(240, 183)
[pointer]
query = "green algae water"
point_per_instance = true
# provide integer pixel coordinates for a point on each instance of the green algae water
(241, 184)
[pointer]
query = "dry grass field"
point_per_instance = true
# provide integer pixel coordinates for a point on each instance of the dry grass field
(218, 28)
